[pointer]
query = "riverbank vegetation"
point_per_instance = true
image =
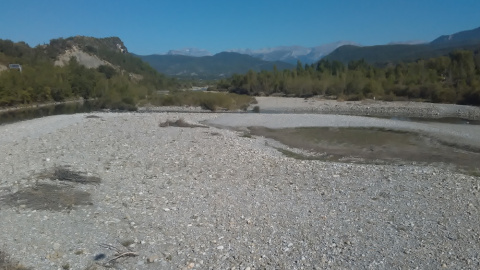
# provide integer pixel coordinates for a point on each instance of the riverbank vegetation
(206, 100)
(121, 83)
(454, 78)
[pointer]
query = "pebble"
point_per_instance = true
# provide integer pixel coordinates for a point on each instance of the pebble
(152, 259)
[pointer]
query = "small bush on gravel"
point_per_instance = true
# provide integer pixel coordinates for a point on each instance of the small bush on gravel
(92, 116)
(179, 123)
(125, 104)
(63, 173)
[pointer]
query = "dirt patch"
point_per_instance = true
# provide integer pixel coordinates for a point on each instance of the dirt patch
(7, 264)
(47, 197)
(92, 116)
(53, 197)
(63, 173)
(179, 123)
(371, 145)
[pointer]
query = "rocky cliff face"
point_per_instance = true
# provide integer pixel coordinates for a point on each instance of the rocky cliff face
(85, 59)
(89, 51)
(89, 45)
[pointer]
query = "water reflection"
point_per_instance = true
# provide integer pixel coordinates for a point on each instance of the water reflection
(42, 111)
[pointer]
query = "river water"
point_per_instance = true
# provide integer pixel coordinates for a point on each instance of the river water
(47, 110)
(88, 106)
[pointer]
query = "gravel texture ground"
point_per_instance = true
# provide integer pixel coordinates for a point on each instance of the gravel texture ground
(209, 198)
(367, 107)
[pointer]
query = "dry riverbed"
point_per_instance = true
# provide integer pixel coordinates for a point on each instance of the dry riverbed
(91, 191)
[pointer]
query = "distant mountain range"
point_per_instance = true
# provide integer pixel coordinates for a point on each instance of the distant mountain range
(220, 65)
(394, 53)
(190, 52)
(199, 63)
(288, 54)
(291, 54)
(460, 38)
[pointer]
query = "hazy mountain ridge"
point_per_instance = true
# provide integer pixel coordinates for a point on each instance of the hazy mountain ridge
(288, 54)
(466, 37)
(190, 52)
(408, 42)
(394, 53)
(182, 63)
(291, 54)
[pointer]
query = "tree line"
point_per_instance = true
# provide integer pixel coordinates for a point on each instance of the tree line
(454, 78)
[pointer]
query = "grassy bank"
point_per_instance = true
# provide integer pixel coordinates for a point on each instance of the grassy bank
(206, 100)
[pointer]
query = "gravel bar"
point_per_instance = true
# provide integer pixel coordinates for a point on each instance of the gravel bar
(367, 107)
(210, 198)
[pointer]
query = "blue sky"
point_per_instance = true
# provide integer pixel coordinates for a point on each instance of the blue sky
(148, 27)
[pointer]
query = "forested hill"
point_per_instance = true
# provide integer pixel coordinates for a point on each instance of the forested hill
(396, 53)
(75, 67)
(217, 66)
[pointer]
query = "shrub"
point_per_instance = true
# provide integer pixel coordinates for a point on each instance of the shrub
(120, 105)
(206, 100)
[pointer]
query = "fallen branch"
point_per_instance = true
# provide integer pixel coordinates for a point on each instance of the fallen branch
(119, 253)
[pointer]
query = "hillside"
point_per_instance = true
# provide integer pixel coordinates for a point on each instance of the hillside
(209, 67)
(382, 54)
(75, 67)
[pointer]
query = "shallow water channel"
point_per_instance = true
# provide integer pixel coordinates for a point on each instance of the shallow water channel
(372, 145)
